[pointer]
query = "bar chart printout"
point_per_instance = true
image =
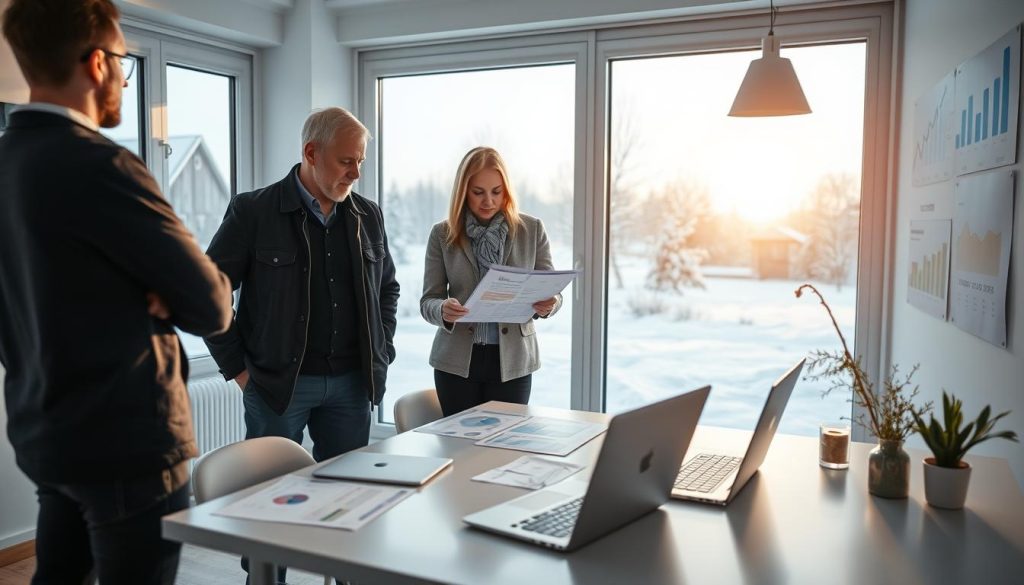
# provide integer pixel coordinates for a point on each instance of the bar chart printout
(934, 130)
(986, 105)
(928, 274)
(981, 239)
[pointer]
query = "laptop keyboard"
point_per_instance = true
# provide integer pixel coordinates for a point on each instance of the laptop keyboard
(558, 521)
(705, 472)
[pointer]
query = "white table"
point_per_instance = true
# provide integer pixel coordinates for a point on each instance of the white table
(794, 523)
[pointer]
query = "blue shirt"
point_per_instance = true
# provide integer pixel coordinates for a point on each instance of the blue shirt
(312, 204)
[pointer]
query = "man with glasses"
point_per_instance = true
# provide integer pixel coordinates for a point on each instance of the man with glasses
(96, 270)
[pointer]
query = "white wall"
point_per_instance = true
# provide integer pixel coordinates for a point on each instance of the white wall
(938, 35)
(308, 71)
(13, 88)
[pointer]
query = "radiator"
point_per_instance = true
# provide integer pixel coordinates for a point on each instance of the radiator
(217, 413)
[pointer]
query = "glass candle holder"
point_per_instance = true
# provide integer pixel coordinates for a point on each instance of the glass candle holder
(834, 446)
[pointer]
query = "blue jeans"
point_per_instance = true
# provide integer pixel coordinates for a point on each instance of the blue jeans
(109, 530)
(335, 408)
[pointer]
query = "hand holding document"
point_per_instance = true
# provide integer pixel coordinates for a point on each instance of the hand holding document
(294, 499)
(506, 294)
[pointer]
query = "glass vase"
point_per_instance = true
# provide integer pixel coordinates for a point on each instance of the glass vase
(889, 470)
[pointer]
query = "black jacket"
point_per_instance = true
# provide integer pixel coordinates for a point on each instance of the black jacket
(263, 247)
(95, 386)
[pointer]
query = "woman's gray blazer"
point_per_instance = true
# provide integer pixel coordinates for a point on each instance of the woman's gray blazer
(451, 271)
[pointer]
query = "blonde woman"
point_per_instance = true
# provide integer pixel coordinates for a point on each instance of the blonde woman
(477, 362)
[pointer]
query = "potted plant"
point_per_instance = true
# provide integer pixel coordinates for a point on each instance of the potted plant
(947, 475)
(888, 415)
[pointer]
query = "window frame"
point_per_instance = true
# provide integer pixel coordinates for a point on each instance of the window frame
(594, 49)
(157, 49)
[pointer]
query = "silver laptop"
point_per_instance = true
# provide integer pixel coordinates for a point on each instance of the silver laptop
(383, 468)
(633, 474)
(716, 477)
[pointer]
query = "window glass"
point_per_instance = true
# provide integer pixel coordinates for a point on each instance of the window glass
(199, 157)
(428, 123)
(715, 221)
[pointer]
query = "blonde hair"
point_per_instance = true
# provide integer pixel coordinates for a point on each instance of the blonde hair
(476, 160)
(322, 125)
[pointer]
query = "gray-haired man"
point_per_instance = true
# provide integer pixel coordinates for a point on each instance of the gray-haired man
(312, 336)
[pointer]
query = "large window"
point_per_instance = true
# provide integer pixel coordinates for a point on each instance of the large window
(715, 221)
(692, 229)
(187, 111)
(430, 122)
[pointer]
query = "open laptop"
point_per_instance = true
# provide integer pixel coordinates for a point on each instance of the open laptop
(716, 477)
(632, 476)
(383, 468)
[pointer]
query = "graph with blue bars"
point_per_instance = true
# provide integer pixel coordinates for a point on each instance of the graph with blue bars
(987, 103)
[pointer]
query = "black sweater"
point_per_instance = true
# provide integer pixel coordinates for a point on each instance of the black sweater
(95, 386)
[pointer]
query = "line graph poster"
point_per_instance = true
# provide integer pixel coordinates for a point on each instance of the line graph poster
(934, 132)
(928, 278)
(987, 103)
(982, 234)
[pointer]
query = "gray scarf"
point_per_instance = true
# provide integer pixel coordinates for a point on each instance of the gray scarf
(488, 241)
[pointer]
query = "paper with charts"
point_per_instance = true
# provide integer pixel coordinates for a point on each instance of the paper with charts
(550, 436)
(506, 294)
(295, 499)
(530, 471)
(987, 102)
(934, 126)
(474, 423)
(982, 237)
(928, 278)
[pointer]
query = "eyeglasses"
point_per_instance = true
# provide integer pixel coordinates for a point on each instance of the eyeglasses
(127, 63)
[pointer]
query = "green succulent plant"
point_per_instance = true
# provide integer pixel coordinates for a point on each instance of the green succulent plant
(948, 442)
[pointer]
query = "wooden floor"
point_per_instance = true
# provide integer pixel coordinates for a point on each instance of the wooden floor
(198, 566)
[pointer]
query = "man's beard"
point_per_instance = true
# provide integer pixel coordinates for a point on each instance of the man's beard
(110, 106)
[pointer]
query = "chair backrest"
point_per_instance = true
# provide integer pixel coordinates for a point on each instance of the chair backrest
(240, 465)
(416, 409)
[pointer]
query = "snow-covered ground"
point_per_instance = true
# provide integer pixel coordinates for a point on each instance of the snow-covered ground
(738, 335)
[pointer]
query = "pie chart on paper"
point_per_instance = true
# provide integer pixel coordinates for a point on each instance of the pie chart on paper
(290, 499)
(480, 421)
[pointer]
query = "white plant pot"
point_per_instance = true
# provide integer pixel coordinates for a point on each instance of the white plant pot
(945, 487)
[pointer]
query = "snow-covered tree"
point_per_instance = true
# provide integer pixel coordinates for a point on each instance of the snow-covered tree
(673, 215)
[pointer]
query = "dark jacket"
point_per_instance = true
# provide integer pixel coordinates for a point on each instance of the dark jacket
(263, 247)
(95, 386)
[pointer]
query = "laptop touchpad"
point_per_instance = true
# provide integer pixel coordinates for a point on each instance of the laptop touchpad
(540, 500)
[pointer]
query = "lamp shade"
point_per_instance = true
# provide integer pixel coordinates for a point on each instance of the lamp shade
(770, 87)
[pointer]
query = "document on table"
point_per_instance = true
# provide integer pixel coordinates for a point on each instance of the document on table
(530, 471)
(474, 423)
(550, 436)
(295, 499)
(506, 294)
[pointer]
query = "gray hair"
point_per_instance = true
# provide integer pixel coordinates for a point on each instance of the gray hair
(323, 125)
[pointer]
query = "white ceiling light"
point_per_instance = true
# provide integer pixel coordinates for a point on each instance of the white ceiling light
(770, 87)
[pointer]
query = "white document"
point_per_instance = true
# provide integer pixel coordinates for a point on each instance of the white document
(982, 240)
(472, 424)
(928, 277)
(530, 471)
(294, 499)
(551, 436)
(506, 294)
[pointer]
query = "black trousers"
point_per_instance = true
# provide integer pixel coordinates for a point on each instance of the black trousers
(456, 393)
(110, 530)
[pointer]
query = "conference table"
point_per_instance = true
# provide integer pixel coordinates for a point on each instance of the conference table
(794, 522)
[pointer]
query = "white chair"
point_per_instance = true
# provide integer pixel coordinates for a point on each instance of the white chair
(417, 409)
(240, 465)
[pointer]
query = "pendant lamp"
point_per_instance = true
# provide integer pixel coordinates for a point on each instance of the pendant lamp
(770, 87)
